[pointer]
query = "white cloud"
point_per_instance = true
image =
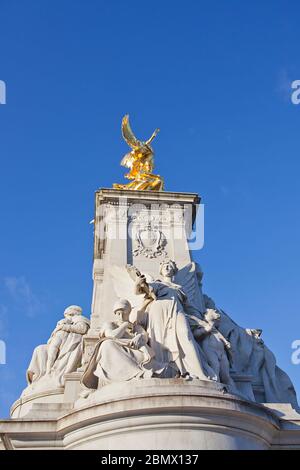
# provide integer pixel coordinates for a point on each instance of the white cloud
(21, 292)
(3, 319)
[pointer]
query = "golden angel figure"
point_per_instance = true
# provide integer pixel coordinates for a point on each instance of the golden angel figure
(140, 161)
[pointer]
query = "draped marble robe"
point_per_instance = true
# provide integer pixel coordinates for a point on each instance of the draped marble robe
(68, 358)
(170, 335)
(114, 359)
(251, 356)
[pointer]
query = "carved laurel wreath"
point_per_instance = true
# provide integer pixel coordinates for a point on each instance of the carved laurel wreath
(150, 242)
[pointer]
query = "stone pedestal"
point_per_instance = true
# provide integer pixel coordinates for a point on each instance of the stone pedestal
(243, 383)
(140, 228)
(27, 406)
(156, 414)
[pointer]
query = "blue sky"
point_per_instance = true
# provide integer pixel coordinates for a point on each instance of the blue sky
(216, 78)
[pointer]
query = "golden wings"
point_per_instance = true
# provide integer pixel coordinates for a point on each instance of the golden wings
(139, 160)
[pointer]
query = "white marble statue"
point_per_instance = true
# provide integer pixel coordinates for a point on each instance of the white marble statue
(163, 314)
(250, 356)
(165, 310)
(122, 353)
(61, 354)
(215, 346)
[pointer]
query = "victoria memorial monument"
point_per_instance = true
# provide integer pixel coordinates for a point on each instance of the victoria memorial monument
(158, 365)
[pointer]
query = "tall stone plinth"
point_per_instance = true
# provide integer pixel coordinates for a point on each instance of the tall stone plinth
(140, 228)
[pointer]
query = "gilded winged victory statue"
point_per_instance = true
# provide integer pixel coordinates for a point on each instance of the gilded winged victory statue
(140, 162)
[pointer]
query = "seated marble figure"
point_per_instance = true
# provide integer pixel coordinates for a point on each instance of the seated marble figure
(62, 353)
(165, 306)
(121, 354)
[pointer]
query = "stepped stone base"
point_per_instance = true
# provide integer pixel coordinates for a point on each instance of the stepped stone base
(156, 414)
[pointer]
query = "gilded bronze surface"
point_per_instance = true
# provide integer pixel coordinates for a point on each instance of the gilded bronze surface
(140, 162)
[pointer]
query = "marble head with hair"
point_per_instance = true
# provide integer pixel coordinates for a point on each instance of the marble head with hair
(170, 263)
(73, 310)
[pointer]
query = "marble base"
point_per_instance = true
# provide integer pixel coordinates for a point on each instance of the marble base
(156, 414)
(26, 405)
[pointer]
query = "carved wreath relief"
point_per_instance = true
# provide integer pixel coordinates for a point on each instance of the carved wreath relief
(150, 242)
